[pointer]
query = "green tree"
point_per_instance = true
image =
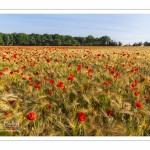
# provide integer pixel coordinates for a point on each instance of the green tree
(1, 41)
(32, 41)
(105, 40)
(14, 35)
(11, 39)
(119, 43)
(89, 40)
(22, 39)
(6, 39)
(146, 43)
(38, 39)
(137, 44)
(57, 42)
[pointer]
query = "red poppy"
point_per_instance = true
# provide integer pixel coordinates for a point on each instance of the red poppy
(6, 68)
(8, 115)
(39, 82)
(86, 86)
(51, 81)
(81, 116)
(71, 78)
(8, 89)
(107, 67)
(37, 86)
(133, 85)
(71, 75)
(37, 73)
(136, 93)
(23, 78)
(110, 81)
(117, 75)
(48, 60)
(112, 72)
(1, 73)
(30, 79)
(79, 67)
(136, 81)
(89, 71)
(48, 105)
(31, 116)
(12, 102)
(57, 60)
(123, 65)
(24, 67)
(15, 56)
(61, 85)
(106, 83)
(16, 71)
(79, 92)
(50, 92)
(109, 112)
(11, 72)
(139, 105)
(113, 68)
(106, 91)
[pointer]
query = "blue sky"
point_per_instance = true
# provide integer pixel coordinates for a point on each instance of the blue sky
(127, 28)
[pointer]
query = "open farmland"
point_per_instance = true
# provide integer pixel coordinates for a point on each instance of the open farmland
(75, 91)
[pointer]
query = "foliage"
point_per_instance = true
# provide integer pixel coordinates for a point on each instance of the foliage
(22, 39)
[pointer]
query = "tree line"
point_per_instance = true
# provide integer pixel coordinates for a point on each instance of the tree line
(23, 39)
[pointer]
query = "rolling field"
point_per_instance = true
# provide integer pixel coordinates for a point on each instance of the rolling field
(75, 91)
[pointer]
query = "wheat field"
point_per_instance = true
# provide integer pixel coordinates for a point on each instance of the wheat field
(74, 91)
